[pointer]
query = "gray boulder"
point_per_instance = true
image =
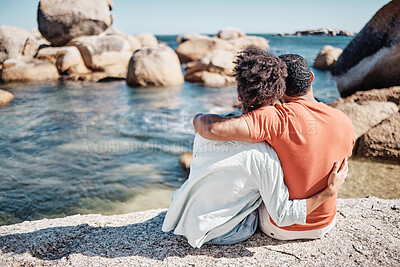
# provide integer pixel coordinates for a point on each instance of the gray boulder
(61, 21)
(372, 58)
(16, 42)
(154, 66)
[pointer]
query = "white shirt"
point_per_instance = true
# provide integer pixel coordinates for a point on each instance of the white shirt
(227, 181)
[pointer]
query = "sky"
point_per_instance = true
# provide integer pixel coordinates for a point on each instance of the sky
(209, 16)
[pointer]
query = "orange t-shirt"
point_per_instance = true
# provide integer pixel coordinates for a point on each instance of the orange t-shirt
(308, 138)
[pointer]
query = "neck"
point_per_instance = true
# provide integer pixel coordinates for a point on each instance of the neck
(309, 96)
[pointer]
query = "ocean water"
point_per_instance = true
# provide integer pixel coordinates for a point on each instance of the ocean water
(76, 147)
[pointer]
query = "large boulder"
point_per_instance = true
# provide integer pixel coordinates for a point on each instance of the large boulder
(230, 33)
(39, 37)
(6, 97)
(243, 42)
(372, 58)
(327, 57)
(67, 59)
(368, 114)
(388, 94)
(154, 66)
(134, 42)
(190, 36)
(104, 52)
(62, 20)
(28, 70)
(16, 42)
(215, 69)
(147, 39)
(196, 49)
(383, 141)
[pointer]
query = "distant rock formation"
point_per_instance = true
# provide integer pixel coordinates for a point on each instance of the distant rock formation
(327, 58)
(230, 33)
(61, 21)
(372, 58)
(319, 31)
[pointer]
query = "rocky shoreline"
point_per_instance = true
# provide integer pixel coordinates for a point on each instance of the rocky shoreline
(366, 233)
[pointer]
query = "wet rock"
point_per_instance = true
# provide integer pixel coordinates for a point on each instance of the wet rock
(327, 57)
(61, 21)
(104, 52)
(215, 69)
(383, 141)
(185, 160)
(28, 70)
(16, 43)
(5, 98)
(244, 42)
(387, 94)
(372, 58)
(230, 33)
(196, 49)
(190, 36)
(368, 114)
(67, 59)
(147, 39)
(154, 66)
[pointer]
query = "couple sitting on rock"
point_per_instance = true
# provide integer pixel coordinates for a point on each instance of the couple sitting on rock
(279, 166)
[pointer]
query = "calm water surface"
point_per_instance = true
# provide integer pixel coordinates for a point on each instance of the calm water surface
(68, 148)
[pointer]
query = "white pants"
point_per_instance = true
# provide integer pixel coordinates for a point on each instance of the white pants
(275, 232)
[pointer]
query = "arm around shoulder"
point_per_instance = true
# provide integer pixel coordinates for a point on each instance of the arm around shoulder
(216, 127)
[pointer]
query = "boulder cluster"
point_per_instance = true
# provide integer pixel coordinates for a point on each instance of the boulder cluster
(319, 31)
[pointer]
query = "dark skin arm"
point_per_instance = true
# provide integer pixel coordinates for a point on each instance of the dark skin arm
(216, 127)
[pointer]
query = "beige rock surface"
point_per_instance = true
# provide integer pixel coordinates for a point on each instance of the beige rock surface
(28, 70)
(67, 59)
(327, 57)
(368, 114)
(147, 39)
(388, 94)
(196, 49)
(190, 36)
(102, 52)
(6, 97)
(16, 43)
(230, 33)
(366, 233)
(383, 141)
(243, 42)
(61, 21)
(154, 66)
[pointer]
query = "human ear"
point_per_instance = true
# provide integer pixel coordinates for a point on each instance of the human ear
(312, 77)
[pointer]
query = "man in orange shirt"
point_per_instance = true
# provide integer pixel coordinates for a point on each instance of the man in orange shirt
(307, 135)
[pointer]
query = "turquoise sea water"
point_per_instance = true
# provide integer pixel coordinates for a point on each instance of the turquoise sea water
(68, 147)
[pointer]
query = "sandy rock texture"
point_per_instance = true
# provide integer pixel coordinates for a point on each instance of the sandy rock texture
(230, 33)
(327, 57)
(215, 69)
(375, 116)
(28, 70)
(16, 43)
(154, 66)
(372, 58)
(366, 233)
(6, 97)
(61, 21)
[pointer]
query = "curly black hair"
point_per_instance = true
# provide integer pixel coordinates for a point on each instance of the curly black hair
(299, 78)
(260, 78)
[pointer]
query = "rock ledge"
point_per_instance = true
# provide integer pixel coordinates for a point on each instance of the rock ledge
(366, 233)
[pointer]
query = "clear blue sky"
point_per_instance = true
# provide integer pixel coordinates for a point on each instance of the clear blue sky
(208, 16)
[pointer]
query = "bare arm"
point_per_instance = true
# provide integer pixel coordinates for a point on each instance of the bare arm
(215, 127)
(335, 181)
